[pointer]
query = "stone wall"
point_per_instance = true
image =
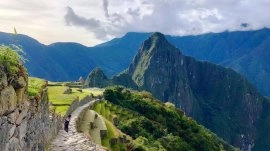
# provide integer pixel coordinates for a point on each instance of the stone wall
(25, 124)
(76, 103)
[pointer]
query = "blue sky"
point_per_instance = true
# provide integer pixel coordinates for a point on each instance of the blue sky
(94, 21)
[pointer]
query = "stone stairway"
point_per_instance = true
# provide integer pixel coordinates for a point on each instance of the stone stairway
(73, 140)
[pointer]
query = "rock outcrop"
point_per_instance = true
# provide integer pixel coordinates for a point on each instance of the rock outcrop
(25, 124)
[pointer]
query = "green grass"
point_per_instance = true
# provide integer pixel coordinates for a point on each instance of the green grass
(57, 97)
(110, 134)
(62, 101)
(94, 91)
(35, 86)
(61, 110)
(97, 107)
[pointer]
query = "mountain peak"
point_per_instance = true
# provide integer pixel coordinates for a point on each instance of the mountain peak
(157, 35)
(155, 52)
(157, 42)
(157, 38)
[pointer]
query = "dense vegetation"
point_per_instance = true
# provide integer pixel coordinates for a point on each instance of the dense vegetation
(35, 86)
(159, 126)
(11, 61)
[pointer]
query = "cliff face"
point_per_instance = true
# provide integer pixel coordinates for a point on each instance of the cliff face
(159, 68)
(217, 97)
(25, 124)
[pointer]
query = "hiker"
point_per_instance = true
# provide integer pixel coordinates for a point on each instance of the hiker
(67, 120)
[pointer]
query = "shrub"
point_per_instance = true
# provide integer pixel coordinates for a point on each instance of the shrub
(11, 60)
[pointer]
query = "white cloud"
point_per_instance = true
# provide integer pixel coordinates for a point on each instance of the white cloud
(98, 20)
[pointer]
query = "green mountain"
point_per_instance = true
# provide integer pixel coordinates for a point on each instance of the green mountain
(152, 125)
(218, 98)
(244, 51)
(97, 78)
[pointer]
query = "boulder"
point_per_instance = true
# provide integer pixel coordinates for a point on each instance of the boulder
(22, 115)
(13, 145)
(13, 116)
(12, 130)
(19, 83)
(8, 99)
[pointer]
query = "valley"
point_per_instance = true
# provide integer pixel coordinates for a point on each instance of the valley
(134, 75)
(168, 99)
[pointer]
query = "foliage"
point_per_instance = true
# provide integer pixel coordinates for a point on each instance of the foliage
(172, 142)
(169, 105)
(10, 59)
(35, 86)
(158, 122)
(144, 144)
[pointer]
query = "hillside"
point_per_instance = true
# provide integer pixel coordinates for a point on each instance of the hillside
(218, 98)
(68, 61)
(244, 51)
(151, 124)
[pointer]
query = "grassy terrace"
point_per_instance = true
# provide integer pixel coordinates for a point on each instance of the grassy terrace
(110, 111)
(61, 101)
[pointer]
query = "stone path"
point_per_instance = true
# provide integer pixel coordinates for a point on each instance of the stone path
(74, 141)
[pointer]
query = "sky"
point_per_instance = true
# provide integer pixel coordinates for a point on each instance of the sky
(91, 22)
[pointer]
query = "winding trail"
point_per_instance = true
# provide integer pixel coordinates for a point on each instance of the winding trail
(73, 140)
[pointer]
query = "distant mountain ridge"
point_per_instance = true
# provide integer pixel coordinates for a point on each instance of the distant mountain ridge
(217, 97)
(245, 51)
